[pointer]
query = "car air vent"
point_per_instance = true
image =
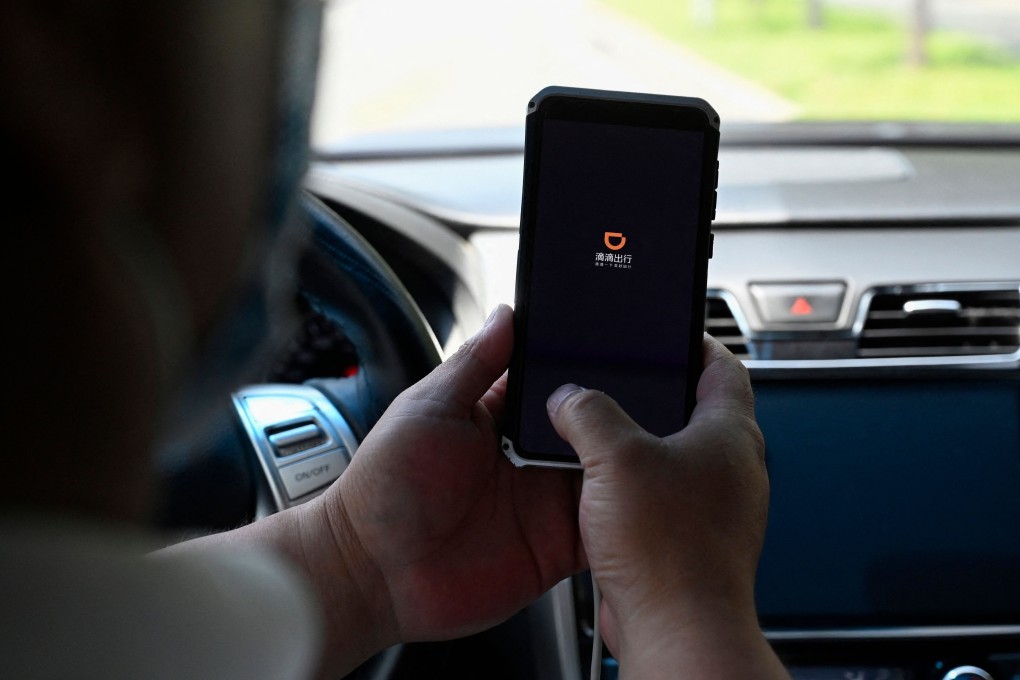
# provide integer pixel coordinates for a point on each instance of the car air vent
(928, 321)
(722, 325)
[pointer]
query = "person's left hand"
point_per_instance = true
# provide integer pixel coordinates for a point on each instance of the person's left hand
(432, 519)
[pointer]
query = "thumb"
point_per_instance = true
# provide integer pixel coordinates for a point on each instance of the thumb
(462, 379)
(593, 424)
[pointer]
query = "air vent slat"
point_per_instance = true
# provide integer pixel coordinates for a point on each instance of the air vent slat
(977, 322)
(729, 340)
(975, 331)
(724, 325)
(972, 313)
(890, 352)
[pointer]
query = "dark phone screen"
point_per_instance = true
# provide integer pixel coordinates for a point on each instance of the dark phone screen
(613, 260)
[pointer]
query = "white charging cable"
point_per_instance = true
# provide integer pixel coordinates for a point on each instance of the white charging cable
(596, 634)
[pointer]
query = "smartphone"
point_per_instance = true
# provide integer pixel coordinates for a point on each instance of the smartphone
(618, 201)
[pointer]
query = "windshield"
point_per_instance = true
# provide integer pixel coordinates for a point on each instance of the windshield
(396, 65)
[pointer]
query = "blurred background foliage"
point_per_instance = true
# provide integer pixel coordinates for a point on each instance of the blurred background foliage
(847, 60)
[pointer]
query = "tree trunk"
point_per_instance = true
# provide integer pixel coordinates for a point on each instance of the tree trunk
(917, 54)
(815, 14)
(703, 12)
(758, 7)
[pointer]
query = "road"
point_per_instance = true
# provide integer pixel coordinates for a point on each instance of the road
(409, 64)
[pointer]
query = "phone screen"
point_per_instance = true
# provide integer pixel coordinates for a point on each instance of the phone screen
(612, 262)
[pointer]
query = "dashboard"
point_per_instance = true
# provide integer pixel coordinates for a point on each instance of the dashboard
(869, 277)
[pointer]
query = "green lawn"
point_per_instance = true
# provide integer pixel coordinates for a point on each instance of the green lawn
(853, 68)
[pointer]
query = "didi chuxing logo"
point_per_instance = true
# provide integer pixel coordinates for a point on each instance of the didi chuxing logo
(618, 237)
(615, 241)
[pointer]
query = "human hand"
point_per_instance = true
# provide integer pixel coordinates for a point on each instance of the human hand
(673, 527)
(444, 536)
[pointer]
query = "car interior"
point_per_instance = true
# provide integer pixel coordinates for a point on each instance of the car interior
(867, 273)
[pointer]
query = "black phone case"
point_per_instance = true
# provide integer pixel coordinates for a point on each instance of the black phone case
(528, 205)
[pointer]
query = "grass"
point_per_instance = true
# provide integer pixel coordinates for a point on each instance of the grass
(852, 68)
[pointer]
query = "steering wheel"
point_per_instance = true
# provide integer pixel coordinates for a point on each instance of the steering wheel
(304, 435)
(346, 281)
(271, 446)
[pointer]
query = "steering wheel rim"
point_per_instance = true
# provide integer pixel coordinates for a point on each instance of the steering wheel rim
(343, 278)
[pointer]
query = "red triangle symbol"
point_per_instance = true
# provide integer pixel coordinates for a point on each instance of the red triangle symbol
(801, 307)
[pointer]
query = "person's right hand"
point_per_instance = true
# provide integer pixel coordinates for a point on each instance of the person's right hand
(673, 527)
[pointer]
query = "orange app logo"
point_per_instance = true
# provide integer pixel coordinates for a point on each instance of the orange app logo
(610, 235)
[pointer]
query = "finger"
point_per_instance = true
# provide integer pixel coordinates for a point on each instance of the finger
(593, 424)
(610, 630)
(724, 383)
(493, 400)
(468, 374)
(725, 400)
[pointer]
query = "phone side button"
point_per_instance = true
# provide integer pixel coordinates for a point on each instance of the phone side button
(711, 245)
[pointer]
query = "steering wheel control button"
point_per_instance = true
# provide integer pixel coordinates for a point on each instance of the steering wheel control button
(287, 440)
(272, 408)
(786, 303)
(302, 478)
(300, 439)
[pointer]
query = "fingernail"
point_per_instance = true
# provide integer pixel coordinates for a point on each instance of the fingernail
(492, 315)
(557, 397)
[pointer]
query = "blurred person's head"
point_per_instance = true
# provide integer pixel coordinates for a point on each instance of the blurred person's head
(149, 147)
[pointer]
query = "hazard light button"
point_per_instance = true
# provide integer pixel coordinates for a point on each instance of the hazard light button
(798, 302)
